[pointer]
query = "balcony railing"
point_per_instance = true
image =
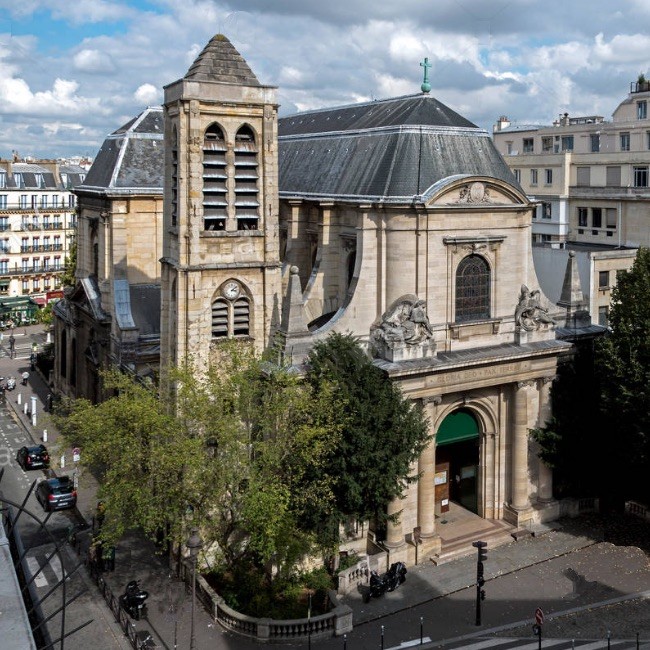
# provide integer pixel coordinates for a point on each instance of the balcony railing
(29, 270)
(640, 86)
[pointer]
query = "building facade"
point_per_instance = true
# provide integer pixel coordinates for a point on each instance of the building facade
(111, 317)
(396, 220)
(37, 229)
(590, 178)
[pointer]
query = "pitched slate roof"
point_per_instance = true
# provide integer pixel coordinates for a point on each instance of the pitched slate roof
(131, 159)
(220, 61)
(389, 150)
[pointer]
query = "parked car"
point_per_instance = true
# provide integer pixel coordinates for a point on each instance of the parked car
(33, 457)
(56, 493)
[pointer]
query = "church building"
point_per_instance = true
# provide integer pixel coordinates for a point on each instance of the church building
(396, 220)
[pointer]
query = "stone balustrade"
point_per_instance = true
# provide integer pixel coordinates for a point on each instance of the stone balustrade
(336, 622)
(352, 577)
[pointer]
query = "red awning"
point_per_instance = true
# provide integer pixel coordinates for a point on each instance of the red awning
(38, 300)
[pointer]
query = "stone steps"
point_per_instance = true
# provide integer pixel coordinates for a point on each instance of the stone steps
(496, 533)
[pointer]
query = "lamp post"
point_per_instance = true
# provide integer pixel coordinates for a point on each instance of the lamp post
(194, 545)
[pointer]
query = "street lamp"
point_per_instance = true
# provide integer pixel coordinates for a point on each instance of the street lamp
(194, 545)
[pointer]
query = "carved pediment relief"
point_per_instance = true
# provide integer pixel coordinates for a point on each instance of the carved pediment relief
(475, 194)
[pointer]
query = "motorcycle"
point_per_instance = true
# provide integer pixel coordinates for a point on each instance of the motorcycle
(10, 383)
(132, 600)
(389, 581)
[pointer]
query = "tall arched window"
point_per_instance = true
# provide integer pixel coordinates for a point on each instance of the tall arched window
(472, 289)
(215, 194)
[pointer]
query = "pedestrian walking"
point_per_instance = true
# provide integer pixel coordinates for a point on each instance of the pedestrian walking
(12, 346)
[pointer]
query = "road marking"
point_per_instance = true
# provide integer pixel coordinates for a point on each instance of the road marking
(40, 580)
(55, 563)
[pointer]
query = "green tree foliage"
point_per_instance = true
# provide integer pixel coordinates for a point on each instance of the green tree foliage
(239, 454)
(70, 266)
(45, 315)
(136, 452)
(382, 435)
(601, 404)
(623, 364)
(570, 443)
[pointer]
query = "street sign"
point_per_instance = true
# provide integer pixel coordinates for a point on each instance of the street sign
(539, 616)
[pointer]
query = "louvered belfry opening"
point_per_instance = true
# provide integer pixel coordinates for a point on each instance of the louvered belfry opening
(220, 317)
(246, 178)
(215, 193)
(230, 318)
(174, 184)
(241, 317)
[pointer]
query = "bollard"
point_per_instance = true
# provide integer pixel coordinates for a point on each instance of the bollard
(44, 435)
(609, 640)
(421, 630)
(382, 637)
(19, 401)
(25, 409)
(345, 642)
(33, 410)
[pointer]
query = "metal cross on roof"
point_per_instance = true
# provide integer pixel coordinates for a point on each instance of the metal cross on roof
(426, 86)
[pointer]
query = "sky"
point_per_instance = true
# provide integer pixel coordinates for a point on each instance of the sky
(73, 71)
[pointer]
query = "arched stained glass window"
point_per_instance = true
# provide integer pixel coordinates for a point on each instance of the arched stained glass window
(472, 289)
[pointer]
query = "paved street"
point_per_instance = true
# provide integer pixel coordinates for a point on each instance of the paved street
(577, 566)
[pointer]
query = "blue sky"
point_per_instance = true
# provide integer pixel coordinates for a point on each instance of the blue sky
(72, 71)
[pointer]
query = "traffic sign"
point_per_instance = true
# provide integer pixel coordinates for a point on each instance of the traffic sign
(539, 616)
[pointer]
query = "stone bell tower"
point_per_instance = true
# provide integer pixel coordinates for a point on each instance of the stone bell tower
(220, 264)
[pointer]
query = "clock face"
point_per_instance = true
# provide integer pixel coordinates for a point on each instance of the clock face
(231, 290)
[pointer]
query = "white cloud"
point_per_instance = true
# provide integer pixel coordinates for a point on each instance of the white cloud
(93, 61)
(148, 94)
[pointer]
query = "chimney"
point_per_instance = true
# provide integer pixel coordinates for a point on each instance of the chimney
(502, 123)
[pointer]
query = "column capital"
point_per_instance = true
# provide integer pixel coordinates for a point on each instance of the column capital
(436, 400)
(548, 380)
(525, 384)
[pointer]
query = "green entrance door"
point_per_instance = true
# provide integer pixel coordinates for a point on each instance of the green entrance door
(457, 442)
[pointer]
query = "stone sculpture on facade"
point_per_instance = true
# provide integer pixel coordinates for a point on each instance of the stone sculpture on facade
(530, 314)
(404, 331)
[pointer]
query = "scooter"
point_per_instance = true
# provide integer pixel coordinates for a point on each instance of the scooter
(11, 383)
(132, 600)
(25, 377)
(389, 581)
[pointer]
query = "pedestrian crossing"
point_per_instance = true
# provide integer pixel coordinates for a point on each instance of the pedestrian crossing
(532, 643)
(47, 574)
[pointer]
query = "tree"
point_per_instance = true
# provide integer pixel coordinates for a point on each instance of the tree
(570, 443)
(45, 316)
(623, 364)
(237, 452)
(137, 452)
(70, 266)
(382, 435)
(601, 403)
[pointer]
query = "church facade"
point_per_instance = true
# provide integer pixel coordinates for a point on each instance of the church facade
(396, 220)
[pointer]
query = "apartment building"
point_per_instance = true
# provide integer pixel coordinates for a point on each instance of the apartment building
(37, 229)
(590, 179)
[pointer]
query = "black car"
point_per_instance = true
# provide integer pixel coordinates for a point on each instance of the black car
(56, 493)
(33, 457)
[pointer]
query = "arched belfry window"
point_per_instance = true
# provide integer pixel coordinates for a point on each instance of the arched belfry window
(247, 205)
(215, 193)
(472, 289)
(230, 312)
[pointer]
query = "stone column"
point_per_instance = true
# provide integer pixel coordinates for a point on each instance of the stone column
(519, 458)
(545, 474)
(394, 533)
(427, 470)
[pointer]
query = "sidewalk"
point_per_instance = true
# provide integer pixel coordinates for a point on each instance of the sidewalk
(619, 572)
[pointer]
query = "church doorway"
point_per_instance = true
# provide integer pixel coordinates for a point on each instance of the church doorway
(457, 459)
